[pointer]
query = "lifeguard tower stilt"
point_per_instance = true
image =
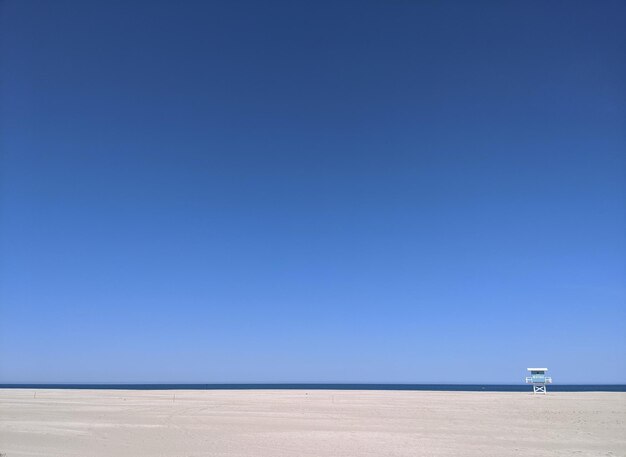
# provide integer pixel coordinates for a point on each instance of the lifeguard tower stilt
(538, 379)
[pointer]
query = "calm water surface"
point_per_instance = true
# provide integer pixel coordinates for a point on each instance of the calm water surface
(441, 387)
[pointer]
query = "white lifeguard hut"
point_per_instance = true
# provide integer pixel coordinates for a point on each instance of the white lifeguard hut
(538, 379)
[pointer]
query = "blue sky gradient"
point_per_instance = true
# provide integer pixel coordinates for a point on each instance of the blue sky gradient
(312, 191)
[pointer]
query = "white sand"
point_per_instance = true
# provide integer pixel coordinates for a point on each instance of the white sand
(295, 423)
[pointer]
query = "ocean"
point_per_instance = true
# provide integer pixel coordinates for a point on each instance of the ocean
(321, 386)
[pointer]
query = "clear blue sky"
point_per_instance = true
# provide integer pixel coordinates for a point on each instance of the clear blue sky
(382, 191)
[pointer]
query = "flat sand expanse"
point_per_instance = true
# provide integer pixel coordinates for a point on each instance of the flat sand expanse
(317, 423)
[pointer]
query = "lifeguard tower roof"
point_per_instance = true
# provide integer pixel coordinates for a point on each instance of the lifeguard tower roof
(537, 369)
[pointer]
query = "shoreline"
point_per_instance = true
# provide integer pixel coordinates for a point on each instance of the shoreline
(320, 386)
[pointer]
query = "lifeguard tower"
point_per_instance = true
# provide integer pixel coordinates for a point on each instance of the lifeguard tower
(538, 379)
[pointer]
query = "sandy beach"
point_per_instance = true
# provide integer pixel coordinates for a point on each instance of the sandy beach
(309, 423)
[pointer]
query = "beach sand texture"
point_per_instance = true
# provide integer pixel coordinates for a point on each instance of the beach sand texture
(276, 423)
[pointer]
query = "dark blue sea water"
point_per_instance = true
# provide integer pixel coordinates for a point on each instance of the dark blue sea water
(442, 387)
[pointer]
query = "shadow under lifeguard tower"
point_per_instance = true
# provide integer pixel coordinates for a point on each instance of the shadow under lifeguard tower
(538, 379)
